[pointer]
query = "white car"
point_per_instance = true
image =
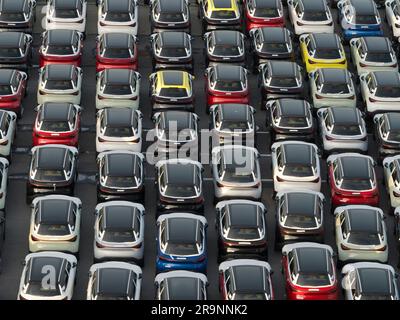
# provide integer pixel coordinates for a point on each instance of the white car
(369, 281)
(393, 16)
(119, 129)
(332, 87)
(118, 88)
(118, 16)
(8, 124)
(373, 54)
(380, 91)
(3, 182)
(114, 280)
(55, 224)
(295, 166)
(360, 233)
(391, 169)
(66, 14)
(48, 276)
(119, 231)
(60, 83)
(310, 16)
(342, 128)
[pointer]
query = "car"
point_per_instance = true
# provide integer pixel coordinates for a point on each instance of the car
(332, 87)
(245, 279)
(60, 83)
(60, 266)
(8, 128)
(373, 54)
(4, 164)
(295, 166)
(391, 170)
(310, 16)
(225, 46)
(119, 231)
(181, 285)
(171, 90)
(118, 16)
(52, 171)
(260, 13)
(359, 18)
(226, 84)
(13, 85)
(342, 129)
(309, 271)
(220, 14)
(57, 123)
(352, 180)
(392, 8)
(299, 217)
(55, 224)
(169, 15)
(121, 176)
(61, 46)
(241, 229)
(172, 50)
(322, 50)
(397, 226)
(17, 15)
(179, 185)
(116, 50)
(15, 50)
(176, 132)
(360, 233)
(270, 43)
(232, 123)
(290, 119)
(369, 281)
(181, 242)
(236, 172)
(119, 129)
(387, 133)
(117, 88)
(66, 14)
(114, 280)
(380, 91)
(280, 79)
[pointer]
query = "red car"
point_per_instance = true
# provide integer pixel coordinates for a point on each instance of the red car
(57, 123)
(12, 90)
(61, 47)
(352, 180)
(116, 51)
(309, 271)
(264, 13)
(226, 84)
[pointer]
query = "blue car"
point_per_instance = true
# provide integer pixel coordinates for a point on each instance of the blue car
(359, 18)
(181, 242)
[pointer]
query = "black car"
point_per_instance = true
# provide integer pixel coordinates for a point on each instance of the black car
(169, 15)
(387, 133)
(52, 171)
(290, 119)
(179, 185)
(225, 46)
(280, 79)
(15, 50)
(121, 176)
(299, 217)
(242, 229)
(17, 15)
(270, 43)
(172, 50)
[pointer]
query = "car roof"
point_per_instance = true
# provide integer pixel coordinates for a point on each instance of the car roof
(249, 278)
(113, 282)
(66, 4)
(325, 40)
(234, 112)
(119, 217)
(313, 5)
(363, 6)
(121, 164)
(179, 173)
(363, 220)
(119, 117)
(274, 34)
(182, 230)
(117, 40)
(182, 288)
(55, 111)
(377, 44)
(51, 158)
(179, 119)
(117, 5)
(6, 76)
(230, 37)
(292, 107)
(171, 5)
(55, 211)
(12, 5)
(59, 71)
(11, 39)
(344, 115)
(312, 260)
(393, 119)
(173, 38)
(228, 72)
(297, 153)
(387, 78)
(282, 68)
(60, 36)
(118, 76)
(243, 215)
(334, 75)
(38, 264)
(300, 203)
(355, 167)
(374, 280)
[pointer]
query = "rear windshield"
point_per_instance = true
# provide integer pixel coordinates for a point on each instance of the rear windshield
(235, 125)
(300, 221)
(224, 85)
(60, 50)
(388, 92)
(298, 170)
(284, 82)
(118, 17)
(121, 53)
(328, 54)
(173, 92)
(121, 182)
(180, 191)
(347, 130)
(379, 57)
(394, 136)
(10, 52)
(365, 19)
(243, 233)
(66, 13)
(356, 184)
(226, 50)
(364, 238)
(118, 89)
(173, 52)
(223, 14)
(119, 235)
(5, 90)
(56, 126)
(119, 132)
(315, 16)
(240, 176)
(335, 88)
(171, 17)
(12, 16)
(54, 229)
(266, 12)
(314, 280)
(294, 122)
(59, 84)
(181, 249)
(275, 47)
(50, 175)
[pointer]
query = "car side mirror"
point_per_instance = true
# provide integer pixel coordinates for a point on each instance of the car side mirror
(74, 265)
(328, 162)
(289, 2)
(273, 149)
(23, 262)
(386, 165)
(271, 272)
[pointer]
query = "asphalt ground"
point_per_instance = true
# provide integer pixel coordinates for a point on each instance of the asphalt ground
(18, 212)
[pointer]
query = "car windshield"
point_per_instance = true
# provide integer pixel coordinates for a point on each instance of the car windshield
(119, 132)
(284, 82)
(121, 181)
(5, 89)
(388, 91)
(173, 52)
(117, 53)
(118, 17)
(223, 14)
(232, 85)
(298, 170)
(226, 50)
(245, 233)
(12, 16)
(55, 126)
(59, 85)
(293, 122)
(300, 221)
(365, 19)
(346, 129)
(379, 57)
(313, 279)
(335, 88)
(364, 238)
(356, 184)
(176, 190)
(173, 92)
(50, 175)
(10, 52)
(120, 89)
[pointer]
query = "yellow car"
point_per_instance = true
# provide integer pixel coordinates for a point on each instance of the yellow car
(322, 50)
(220, 13)
(171, 89)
